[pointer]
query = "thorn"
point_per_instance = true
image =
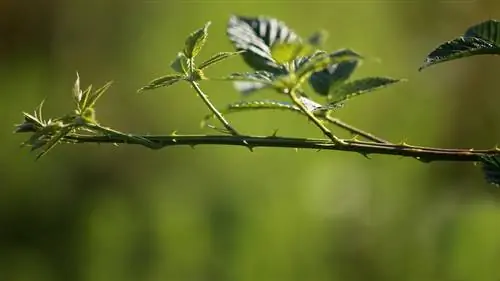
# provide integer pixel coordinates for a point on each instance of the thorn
(355, 137)
(174, 140)
(247, 145)
(496, 148)
(366, 155)
(174, 133)
(114, 144)
(296, 149)
(275, 133)
(192, 146)
(403, 144)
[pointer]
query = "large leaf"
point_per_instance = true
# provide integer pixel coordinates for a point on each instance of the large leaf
(460, 48)
(256, 35)
(164, 81)
(480, 39)
(195, 41)
(358, 87)
(488, 30)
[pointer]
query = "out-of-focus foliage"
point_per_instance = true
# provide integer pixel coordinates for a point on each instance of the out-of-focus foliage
(218, 213)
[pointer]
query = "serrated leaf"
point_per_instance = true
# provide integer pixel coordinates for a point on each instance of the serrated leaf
(256, 35)
(217, 58)
(287, 52)
(335, 74)
(461, 47)
(358, 87)
(263, 77)
(488, 30)
(491, 169)
(195, 41)
(181, 64)
(164, 81)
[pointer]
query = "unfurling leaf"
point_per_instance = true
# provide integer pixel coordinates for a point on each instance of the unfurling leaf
(181, 64)
(93, 97)
(256, 36)
(217, 58)
(164, 81)
(333, 75)
(491, 169)
(460, 48)
(77, 92)
(480, 39)
(195, 41)
(358, 87)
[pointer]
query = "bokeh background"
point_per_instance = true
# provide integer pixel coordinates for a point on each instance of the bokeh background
(104, 213)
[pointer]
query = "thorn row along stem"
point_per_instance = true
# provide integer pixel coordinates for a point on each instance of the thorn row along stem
(426, 154)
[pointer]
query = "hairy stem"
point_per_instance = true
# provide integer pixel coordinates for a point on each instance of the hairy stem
(314, 119)
(212, 108)
(425, 154)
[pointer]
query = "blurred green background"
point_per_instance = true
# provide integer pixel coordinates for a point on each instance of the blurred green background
(98, 212)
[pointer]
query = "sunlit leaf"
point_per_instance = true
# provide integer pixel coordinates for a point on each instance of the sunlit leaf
(258, 76)
(92, 99)
(77, 92)
(287, 52)
(358, 87)
(256, 35)
(164, 81)
(195, 41)
(217, 58)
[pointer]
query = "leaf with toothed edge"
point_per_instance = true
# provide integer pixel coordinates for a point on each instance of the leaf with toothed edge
(357, 87)
(195, 41)
(164, 81)
(480, 39)
(256, 35)
(335, 74)
(217, 58)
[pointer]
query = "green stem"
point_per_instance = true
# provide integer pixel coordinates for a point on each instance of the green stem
(212, 108)
(314, 119)
(426, 154)
(354, 130)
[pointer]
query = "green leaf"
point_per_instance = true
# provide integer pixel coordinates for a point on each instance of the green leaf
(322, 61)
(164, 81)
(488, 30)
(358, 87)
(335, 74)
(181, 64)
(217, 58)
(461, 47)
(77, 92)
(92, 98)
(258, 76)
(195, 41)
(287, 52)
(256, 36)
(491, 169)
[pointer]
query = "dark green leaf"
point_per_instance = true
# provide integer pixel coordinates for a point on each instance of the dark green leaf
(164, 81)
(358, 87)
(488, 30)
(491, 169)
(195, 41)
(217, 58)
(335, 74)
(256, 36)
(460, 48)
(181, 64)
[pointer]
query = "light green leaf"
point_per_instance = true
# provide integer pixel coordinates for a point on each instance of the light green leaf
(164, 81)
(181, 64)
(195, 41)
(92, 98)
(217, 58)
(287, 52)
(357, 87)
